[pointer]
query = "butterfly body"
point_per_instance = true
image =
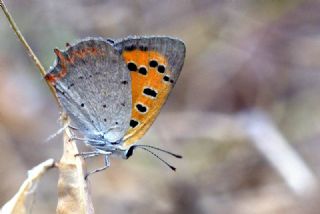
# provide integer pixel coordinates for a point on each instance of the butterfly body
(113, 90)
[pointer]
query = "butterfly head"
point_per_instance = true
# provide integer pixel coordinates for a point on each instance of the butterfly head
(129, 152)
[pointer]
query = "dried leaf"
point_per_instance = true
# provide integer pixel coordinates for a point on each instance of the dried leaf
(73, 194)
(20, 202)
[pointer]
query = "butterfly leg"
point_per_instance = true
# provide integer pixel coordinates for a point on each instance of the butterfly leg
(72, 127)
(86, 139)
(107, 164)
(86, 155)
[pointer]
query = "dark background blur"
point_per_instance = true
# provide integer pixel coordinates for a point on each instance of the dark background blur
(241, 56)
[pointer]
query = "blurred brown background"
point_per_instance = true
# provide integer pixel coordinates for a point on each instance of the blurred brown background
(244, 113)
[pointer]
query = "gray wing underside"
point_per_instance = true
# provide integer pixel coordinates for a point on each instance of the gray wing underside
(96, 91)
(173, 49)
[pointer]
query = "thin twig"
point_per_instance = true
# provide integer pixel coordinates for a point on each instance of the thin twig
(30, 52)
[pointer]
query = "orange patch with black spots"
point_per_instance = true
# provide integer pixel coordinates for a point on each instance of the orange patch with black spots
(149, 90)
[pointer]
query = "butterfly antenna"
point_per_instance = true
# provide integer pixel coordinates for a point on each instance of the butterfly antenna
(163, 161)
(158, 149)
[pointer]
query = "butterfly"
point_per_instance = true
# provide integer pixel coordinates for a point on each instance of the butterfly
(113, 90)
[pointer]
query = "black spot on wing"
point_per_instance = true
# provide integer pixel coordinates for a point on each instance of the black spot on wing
(153, 63)
(132, 66)
(143, 70)
(166, 78)
(161, 69)
(143, 48)
(150, 92)
(133, 123)
(141, 108)
(130, 48)
(71, 85)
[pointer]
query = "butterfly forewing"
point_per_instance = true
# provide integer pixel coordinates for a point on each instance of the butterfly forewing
(154, 64)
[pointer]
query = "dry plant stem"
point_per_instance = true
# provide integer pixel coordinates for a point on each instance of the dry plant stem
(73, 193)
(19, 203)
(25, 44)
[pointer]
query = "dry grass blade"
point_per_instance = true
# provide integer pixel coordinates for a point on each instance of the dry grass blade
(73, 193)
(20, 202)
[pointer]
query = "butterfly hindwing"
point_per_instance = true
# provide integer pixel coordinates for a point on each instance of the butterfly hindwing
(94, 88)
(154, 64)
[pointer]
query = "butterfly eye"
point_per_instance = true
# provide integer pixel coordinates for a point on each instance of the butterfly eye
(129, 152)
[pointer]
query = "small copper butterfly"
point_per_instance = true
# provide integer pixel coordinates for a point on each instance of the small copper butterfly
(113, 90)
